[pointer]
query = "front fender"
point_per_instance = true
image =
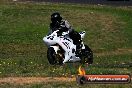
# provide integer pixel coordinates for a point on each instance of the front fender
(56, 48)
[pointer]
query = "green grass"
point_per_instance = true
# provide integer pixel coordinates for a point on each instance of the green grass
(23, 53)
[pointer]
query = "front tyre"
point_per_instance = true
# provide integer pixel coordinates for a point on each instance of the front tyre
(51, 56)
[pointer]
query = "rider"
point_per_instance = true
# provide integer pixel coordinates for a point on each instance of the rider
(63, 25)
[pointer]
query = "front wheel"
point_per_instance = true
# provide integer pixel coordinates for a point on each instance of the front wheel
(51, 56)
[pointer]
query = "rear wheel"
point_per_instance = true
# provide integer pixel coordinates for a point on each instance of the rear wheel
(87, 55)
(51, 56)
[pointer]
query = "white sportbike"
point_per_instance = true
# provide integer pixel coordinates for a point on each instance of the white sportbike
(62, 50)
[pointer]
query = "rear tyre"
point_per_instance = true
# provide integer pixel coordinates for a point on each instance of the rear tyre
(87, 55)
(51, 56)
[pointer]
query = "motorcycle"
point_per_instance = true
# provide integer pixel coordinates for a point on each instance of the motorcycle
(62, 50)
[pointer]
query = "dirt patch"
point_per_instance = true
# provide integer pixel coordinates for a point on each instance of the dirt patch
(29, 80)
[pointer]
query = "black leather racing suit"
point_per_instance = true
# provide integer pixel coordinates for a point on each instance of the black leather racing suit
(64, 26)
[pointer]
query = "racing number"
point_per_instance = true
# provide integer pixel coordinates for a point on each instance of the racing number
(50, 37)
(66, 44)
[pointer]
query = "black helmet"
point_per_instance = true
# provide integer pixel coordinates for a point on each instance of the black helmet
(56, 17)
